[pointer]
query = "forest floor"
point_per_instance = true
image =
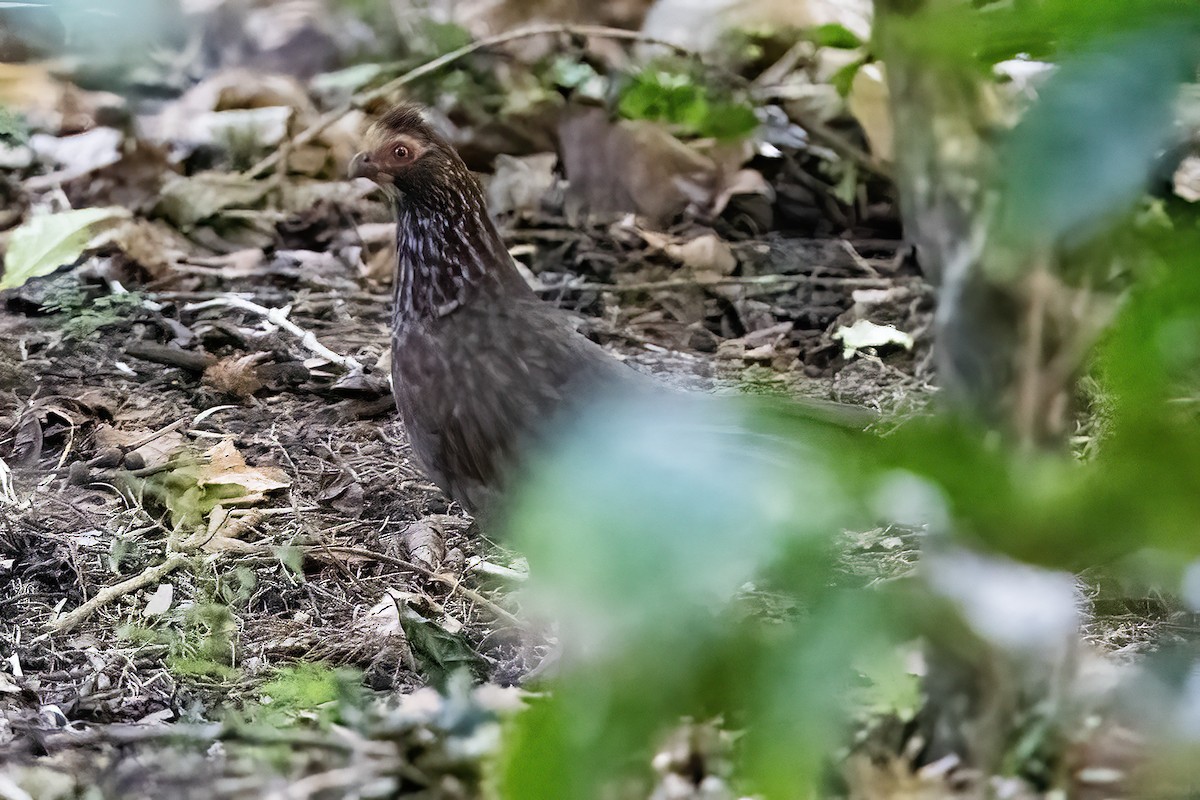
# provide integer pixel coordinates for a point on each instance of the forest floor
(341, 554)
(223, 574)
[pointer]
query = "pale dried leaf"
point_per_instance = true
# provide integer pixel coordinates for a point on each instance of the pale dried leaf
(75, 155)
(191, 200)
(864, 334)
(868, 102)
(520, 184)
(227, 466)
(705, 254)
(159, 602)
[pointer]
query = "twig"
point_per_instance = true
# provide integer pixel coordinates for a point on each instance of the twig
(110, 593)
(8, 494)
(836, 141)
(363, 99)
(278, 316)
(862, 263)
(452, 583)
(768, 281)
(132, 733)
(158, 434)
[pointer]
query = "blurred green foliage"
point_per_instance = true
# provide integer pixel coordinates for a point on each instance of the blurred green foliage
(12, 127)
(198, 638)
(86, 314)
(644, 526)
(315, 692)
(687, 102)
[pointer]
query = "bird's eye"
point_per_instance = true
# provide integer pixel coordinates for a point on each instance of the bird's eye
(401, 152)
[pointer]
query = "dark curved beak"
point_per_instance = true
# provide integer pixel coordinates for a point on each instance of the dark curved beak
(361, 166)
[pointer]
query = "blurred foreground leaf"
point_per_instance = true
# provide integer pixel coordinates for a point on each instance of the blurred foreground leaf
(1083, 154)
(641, 529)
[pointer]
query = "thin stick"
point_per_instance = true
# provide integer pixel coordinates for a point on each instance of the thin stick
(362, 99)
(452, 583)
(768, 281)
(278, 316)
(862, 263)
(109, 594)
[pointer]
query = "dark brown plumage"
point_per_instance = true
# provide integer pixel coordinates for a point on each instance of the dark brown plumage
(480, 366)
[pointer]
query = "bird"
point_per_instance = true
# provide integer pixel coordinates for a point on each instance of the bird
(482, 368)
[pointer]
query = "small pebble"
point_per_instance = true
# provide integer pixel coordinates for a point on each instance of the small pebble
(78, 473)
(134, 461)
(107, 458)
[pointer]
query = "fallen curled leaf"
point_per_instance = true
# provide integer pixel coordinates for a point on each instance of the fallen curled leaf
(227, 466)
(519, 184)
(632, 165)
(197, 491)
(705, 254)
(49, 241)
(425, 542)
(27, 444)
(157, 247)
(189, 201)
(864, 333)
(153, 450)
(75, 155)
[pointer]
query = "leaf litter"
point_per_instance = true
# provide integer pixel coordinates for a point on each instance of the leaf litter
(246, 463)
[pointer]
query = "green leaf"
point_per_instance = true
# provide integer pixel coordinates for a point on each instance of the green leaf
(44, 243)
(834, 35)
(686, 104)
(12, 127)
(308, 686)
(439, 653)
(843, 79)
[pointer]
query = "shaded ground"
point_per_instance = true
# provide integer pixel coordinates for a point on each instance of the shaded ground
(358, 562)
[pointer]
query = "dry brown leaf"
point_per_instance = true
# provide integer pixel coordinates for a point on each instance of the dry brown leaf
(227, 466)
(97, 402)
(153, 453)
(29, 88)
(159, 450)
(245, 263)
(741, 182)
(632, 166)
(225, 531)
(158, 248)
(237, 376)
(425, 542)
(708, 254)
(520, 184)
